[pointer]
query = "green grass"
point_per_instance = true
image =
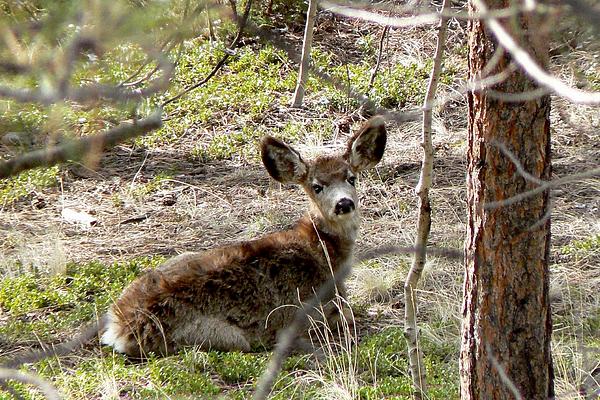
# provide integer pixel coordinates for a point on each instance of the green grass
(40, 306)
(395, 87)
(582, 247)
(19, 186)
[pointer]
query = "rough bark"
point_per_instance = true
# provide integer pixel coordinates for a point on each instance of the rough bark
(507, 323)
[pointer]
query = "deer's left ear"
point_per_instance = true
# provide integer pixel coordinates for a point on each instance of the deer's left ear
(282, 162)
(365, 149)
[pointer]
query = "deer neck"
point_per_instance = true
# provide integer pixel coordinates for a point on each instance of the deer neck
(340, 233)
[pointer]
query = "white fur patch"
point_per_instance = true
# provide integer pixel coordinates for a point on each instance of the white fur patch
(111, 335)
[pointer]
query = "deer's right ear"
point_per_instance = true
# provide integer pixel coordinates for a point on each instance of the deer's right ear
(365, 149)
(282, 162)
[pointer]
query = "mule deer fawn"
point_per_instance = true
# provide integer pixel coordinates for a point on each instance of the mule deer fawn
(236, 297)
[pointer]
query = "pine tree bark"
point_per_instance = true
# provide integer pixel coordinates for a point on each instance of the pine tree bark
(506, 312)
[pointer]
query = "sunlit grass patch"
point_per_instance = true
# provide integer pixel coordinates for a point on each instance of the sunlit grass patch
(38, 305)
(247, 86)
(395, 87)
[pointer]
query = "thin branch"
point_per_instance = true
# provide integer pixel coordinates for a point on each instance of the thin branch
(415, 355)
(31, 379)
(415, 20)
(517, 97)
(545, 186)
(90, 92)
(420, 15)
(384, 32)
(531, 67)
(513, 158)
(391, 249)
(127, 82)
(228, 52)
(311, 16)
(58, 350)
(81, 147)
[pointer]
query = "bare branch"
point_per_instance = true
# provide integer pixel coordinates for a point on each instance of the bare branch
(384, 32)
(58, 350)
(31, 379)
(311, 15)
(415, 355)
(80, 148)
(415, 20)
(513, 158)
(421, 15)
(517, 97)
(543, 185)
(390, 249)
(535, 72)
(547, 185)
(90, 92)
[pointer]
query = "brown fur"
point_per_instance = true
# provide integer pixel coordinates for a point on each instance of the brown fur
(238, 297)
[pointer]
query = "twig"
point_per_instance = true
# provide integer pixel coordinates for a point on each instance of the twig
(228, 52)
(79, 148)
(415, 355)
(127, 82)
(390, 249)
(421, 16)
(415, 20)
(90, 92)
(58, 350)
(384, 32)
(545, 186)
(31, 379)
(531, 67)
(517, 97)
(513, 158)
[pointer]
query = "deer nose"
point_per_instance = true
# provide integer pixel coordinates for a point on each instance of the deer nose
(344, 206)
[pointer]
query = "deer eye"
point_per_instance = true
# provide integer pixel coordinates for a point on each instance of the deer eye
(317, 188)
(352, 180)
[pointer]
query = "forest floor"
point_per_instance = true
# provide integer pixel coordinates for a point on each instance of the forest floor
(198, 183)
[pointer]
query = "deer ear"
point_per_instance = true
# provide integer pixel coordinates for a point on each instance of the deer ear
(282, 162)
(365, 149)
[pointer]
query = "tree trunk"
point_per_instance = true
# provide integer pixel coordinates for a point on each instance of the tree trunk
(507, 323)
